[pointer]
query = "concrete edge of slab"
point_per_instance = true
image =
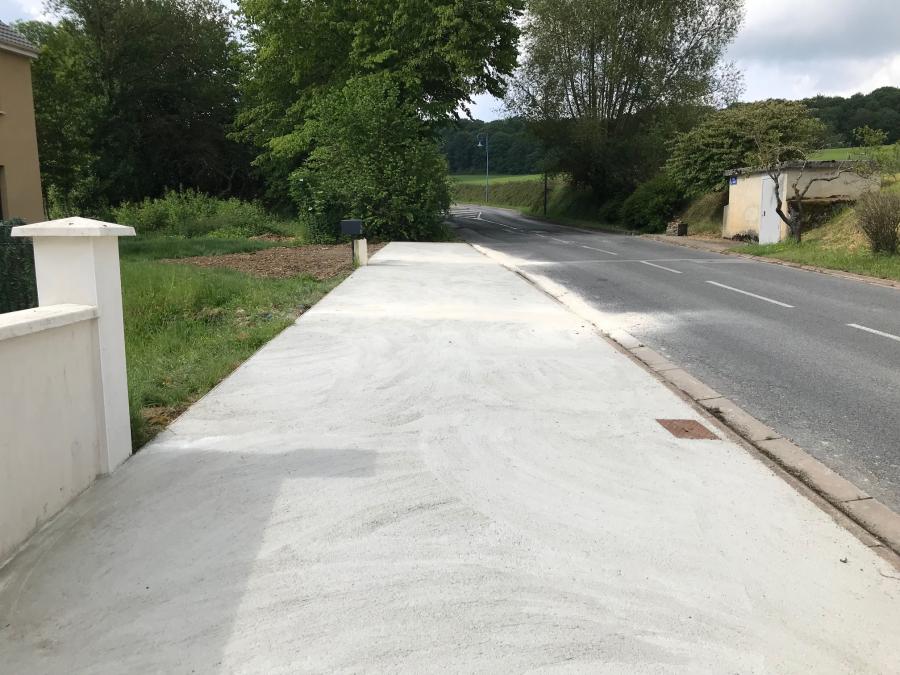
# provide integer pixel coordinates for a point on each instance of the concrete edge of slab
(863, 510)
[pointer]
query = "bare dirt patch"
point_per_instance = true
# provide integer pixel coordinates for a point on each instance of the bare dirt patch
(316, 260)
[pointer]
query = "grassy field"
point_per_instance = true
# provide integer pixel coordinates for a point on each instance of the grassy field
(478, 178)
(836, 154)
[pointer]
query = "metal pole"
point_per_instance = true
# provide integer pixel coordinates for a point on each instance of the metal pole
(487, 169)
(545, 194)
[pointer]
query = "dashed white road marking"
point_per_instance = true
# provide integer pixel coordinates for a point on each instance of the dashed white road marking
(592, 248)
(561, 241)
(752, 295)
(890, 336)
(667, 269)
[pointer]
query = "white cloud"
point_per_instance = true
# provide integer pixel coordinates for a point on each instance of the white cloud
(20, 10)
(801, 48)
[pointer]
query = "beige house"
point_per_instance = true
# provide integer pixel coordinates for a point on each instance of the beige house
(20, 176)
(752, 201)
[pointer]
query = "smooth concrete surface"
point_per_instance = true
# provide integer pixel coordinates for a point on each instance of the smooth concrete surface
(439, 468)
(802, 370)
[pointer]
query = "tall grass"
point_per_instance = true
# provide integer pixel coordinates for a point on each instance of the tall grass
(157, 248)
(187, 327)
(703, 214)
(191, 214)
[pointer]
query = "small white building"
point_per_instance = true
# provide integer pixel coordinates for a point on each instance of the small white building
(752, 202)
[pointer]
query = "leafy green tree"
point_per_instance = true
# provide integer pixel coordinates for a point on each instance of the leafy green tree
(605, 80)
(152, 85)
(873, 147)
(368, 155)
(879, 109)
(438, 55)
(731, 139)
(514, 148)
(653, 204)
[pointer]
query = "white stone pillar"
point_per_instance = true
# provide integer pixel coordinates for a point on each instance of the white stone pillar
(76, 260)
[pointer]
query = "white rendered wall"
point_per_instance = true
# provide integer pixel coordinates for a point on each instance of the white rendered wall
(63, 379)
(50, 413)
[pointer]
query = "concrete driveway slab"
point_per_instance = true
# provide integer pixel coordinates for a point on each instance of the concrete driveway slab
(440, 468)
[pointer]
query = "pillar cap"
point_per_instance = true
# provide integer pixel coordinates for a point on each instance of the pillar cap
(72, 227)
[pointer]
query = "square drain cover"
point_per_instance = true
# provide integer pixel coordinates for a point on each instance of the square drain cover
(688, 429)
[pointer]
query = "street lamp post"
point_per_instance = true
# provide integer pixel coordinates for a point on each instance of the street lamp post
(484, 142)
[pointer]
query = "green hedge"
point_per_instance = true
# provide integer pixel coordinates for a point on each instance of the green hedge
(18, 289)
(652, 205)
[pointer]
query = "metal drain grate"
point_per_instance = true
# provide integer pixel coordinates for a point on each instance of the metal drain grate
(688, 429)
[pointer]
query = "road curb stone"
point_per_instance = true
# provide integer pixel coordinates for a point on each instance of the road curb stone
(873, 516)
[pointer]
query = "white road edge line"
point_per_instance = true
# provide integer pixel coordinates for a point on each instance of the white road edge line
(602, 250)
(875, 332)
(667, 269)
(752, 295)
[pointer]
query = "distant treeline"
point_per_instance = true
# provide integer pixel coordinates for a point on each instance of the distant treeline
(879, 109)
(514, 149)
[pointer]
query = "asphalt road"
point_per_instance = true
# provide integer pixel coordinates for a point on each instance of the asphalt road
(814, 356)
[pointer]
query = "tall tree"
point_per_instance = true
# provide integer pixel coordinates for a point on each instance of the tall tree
(158, 82)
(437, 55)
(879, 109)
(601, 76)
(730, 139)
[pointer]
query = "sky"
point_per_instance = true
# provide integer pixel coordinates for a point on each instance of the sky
(799, 48)
(785, 48)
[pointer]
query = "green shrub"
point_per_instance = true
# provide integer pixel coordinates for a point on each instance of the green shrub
(652, 205)
(18, 289)
(879, 219)
(194, 214)
(610, 211)
(372, 157)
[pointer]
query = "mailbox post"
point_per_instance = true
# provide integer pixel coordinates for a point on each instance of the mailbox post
(359, 246)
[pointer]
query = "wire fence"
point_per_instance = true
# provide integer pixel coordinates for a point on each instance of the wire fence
(18, 289)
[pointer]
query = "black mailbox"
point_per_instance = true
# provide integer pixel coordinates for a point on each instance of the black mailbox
(352, 228)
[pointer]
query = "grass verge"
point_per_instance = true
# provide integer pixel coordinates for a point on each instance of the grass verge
(186, 328)
(816, 253)
(838, 244)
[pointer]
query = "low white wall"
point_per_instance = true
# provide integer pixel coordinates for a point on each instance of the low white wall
(51, 434)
